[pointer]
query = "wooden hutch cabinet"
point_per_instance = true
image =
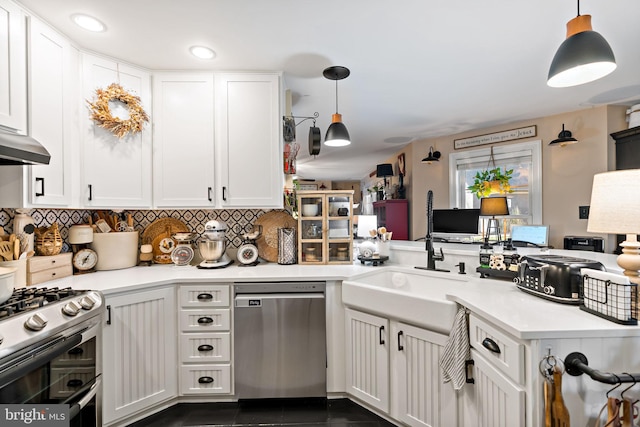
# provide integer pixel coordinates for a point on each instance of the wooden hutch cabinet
(394, 215)
(325, 227)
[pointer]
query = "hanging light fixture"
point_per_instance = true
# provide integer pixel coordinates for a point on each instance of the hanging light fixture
(434, 156)
(337, 134)
(564, 138)
(583, 57)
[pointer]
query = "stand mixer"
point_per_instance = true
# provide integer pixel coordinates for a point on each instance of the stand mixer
(212, 245)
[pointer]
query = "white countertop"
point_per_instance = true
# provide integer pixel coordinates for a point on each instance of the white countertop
(518, 313)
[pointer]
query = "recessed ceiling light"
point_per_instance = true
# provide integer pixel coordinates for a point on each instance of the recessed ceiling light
(88, 23)
(202, 52)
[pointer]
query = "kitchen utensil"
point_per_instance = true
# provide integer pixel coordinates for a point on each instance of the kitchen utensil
(548, 399)
(16, 249)
(560, 413)
(268, 242)
(6, 251)
(6, 282)
(314, 141)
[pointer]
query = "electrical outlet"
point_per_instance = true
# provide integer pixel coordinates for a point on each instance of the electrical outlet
(583, 212)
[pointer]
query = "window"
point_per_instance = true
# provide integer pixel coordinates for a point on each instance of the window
(525, 203)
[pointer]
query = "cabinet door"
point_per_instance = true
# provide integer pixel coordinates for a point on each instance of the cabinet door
(418, 395)
(139, 352)
(368, 358)
(183, 154)
(13, 73)
(248, 135)
(494, 400)
(116, 172)
(53, 95)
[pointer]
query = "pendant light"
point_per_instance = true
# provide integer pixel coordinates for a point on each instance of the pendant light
(434, 156)
(337, 134)
(564, 138)
(583, 57)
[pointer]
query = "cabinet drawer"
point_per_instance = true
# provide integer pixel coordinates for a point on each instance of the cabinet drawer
(205, 379)
(49, 274)
(82, 355)
(509, 359)
(65, 383)
(212, 319)
(40, 263)
(195, 347)
(206, 295)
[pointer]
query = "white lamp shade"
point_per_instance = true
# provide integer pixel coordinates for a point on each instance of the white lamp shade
(615, 203)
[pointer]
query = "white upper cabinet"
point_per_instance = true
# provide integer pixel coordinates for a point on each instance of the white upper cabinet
(115, 172)
(248, 140)
(53, 112)
(53, 121)
(183, 144)
(13, 73)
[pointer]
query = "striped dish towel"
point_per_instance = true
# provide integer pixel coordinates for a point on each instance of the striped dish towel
(456, 351)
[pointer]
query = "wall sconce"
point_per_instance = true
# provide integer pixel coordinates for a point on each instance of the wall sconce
(337, 133)
(493, 206)
(434, 156)
(583, 57)
(383, 171)
(564, 138)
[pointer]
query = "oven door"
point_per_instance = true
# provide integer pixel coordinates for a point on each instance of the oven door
(62, 370)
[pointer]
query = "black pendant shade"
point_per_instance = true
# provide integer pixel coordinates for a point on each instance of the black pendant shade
(337, 134)
(564, 138)
(583, 57)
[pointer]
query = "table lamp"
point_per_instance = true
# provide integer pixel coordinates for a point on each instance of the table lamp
(492, 206)
(615, 209)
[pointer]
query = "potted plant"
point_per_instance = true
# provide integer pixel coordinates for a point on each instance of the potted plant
(491, 181)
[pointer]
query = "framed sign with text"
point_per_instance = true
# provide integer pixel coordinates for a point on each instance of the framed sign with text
(491, 138)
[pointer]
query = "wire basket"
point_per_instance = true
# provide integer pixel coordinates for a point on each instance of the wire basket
(48, 240)
(611, 297)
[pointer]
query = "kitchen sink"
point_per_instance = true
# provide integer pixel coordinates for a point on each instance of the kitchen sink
(413, 296)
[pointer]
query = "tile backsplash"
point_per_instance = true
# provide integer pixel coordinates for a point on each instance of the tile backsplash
(237, 220)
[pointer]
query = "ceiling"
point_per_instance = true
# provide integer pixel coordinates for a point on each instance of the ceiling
(419, 68)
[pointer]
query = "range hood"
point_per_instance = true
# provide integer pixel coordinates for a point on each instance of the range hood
(16, 149)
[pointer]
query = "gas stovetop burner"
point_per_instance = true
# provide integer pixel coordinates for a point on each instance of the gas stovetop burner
(31, 298)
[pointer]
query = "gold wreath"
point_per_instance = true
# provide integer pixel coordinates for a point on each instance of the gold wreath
(101, 113)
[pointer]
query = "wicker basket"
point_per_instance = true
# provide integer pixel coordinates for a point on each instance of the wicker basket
(48, 240)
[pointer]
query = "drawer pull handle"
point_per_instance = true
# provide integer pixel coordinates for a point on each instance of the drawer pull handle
(205, 380)
(76, 350)
(205, 320)
(205, 347)
(491, 345)
(204, 297)
(74, 383)
(400, 346)
(381, 337)
(468, 366)
(41, 181)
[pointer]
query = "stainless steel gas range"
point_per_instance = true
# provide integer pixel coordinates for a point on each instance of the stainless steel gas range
(50, 343)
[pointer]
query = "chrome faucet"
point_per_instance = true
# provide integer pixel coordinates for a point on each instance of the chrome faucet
(432, 256)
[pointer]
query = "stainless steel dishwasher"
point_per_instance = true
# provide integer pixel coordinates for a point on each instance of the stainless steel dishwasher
(280, 340)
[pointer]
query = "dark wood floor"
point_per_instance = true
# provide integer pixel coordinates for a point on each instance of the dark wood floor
(271, 412)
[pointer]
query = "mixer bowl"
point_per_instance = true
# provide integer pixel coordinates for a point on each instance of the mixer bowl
(211, 250)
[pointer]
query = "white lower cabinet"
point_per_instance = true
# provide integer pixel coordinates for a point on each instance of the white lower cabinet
(205, 339)
(139, 352)
(394, 367)
(497, 396)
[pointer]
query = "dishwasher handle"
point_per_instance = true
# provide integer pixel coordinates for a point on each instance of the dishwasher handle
(255, 300)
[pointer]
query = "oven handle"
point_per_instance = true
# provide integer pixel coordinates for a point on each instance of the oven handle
(38, 358)
(90, 390)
